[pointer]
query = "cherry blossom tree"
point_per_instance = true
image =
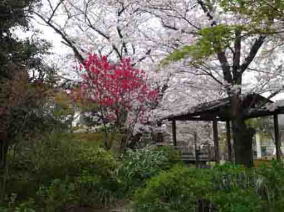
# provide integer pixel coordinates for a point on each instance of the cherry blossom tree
(233, 44)
(114, 28)
(117, 29)
(121, 92)
(230, 41)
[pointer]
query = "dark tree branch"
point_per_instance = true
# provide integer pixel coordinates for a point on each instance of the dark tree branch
(123, 47)
(96, 29)
(103, 35)
(237, 57)
(220, 55)
(253, 51)
(207, 12)
(225, 66)
(67, 42)
(209, 73)
(143, 58)
(55, 9)
(169, 26)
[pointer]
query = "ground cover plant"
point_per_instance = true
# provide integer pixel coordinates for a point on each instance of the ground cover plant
(227, 188)
(64, 171)
(137, 166)
(54, 171)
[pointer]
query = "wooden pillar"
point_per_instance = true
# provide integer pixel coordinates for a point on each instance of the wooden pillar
(216, 141)
(196, 150)
(174, 132)
(277, 137)
(258, 145)
(228, 138)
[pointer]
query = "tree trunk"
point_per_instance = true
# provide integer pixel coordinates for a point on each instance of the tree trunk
(3, 153)
(125, 134)
(243, 143)
(242, 135)
(134, 140)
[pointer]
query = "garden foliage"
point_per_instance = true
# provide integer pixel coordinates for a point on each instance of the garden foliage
(226, 188)
(62, 172)
(139, 165)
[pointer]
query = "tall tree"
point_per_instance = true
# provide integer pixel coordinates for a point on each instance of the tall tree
(230, 41)
(21, 75)
(121, 93)
(117, 29)
(113, 27)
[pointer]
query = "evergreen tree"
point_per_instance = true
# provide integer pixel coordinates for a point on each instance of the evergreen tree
(22, 94)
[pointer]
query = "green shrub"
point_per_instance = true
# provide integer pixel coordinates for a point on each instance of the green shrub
(270, 184)
(236, 200)
(228, 177)
(177, 189)
(140, 165)
(85, 190)
(59, 155)
(96, 161)
(240, 189)
(234, 189)
(171, 154)
(227, 188)
(56, 158)
(95, 190)
(52, 157)
(13, 206)
(59, 172)
(57, 196)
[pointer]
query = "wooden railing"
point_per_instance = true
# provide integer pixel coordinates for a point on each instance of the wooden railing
(190, 155)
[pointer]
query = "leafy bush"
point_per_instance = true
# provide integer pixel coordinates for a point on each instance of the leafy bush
(59, 155)
(236, 200)
(142, 164)
(228, 177)
(13, 206)
(270, 184)
(95, 190)
(60, 172)
(58, 164)
(171, 154)
(177, 189)
(85, 190)
(58, 196)
(227, 188)
(234, 189)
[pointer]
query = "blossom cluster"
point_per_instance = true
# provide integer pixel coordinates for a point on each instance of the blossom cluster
(118, 88)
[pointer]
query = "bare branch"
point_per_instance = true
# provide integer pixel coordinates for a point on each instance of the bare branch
(253, 51)
(68, 42)
(55, 9)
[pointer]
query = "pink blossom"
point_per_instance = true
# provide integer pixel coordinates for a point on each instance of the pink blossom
(117, 88)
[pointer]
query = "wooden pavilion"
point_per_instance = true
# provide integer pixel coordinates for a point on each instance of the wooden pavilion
(255, 106)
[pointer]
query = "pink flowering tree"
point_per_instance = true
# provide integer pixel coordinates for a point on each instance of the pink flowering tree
(121, 93)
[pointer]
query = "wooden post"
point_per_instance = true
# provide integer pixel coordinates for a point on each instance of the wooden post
(216, 141)
(196, 150)
(229, 145)
(277, 137)
(174, 132)
(258, 145)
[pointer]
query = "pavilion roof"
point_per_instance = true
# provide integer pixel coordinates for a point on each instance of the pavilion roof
(254, 105)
